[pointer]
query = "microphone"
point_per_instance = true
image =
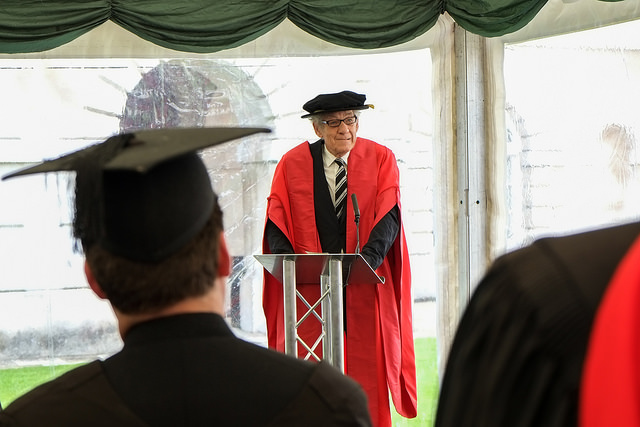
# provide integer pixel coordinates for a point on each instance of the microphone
(356, 211)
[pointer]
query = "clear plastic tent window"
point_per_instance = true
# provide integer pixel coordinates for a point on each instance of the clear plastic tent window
(48, 310)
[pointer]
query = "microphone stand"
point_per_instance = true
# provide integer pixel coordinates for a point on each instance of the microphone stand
(356, 211)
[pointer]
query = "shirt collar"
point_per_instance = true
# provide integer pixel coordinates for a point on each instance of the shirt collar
(328, 158)
(179, 326)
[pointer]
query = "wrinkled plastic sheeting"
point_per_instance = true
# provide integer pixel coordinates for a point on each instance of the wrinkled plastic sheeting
(192, 93)
(35, 306)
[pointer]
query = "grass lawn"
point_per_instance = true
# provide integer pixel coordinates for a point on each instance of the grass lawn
(427, 373)
(17, 381)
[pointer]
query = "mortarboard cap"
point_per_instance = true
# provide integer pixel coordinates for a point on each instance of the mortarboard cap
(331, 102)
(142, 195)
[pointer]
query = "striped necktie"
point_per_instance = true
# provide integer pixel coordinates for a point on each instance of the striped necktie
(341, 188)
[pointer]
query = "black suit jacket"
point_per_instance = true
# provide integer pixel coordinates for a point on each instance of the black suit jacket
(517, 356)
(190, 370)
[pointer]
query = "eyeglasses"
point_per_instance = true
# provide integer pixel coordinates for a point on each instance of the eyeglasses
(334, 123)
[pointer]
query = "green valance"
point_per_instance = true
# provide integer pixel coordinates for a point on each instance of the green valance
(205, 26)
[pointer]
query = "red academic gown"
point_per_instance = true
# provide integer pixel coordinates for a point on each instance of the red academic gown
(610, 389)
(379, 336)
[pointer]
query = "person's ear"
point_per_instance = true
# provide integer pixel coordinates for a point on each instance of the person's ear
(316, 129)
(224, 261)
(93, 283)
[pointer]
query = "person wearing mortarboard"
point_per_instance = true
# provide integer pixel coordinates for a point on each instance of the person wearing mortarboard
(303, 217)
(151, 231)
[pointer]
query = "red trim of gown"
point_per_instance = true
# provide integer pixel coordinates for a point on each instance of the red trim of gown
(610, 389)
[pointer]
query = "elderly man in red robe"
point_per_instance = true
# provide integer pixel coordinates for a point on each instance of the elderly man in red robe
(308, 212)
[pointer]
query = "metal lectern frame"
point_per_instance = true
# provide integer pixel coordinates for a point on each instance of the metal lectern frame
(326, 270)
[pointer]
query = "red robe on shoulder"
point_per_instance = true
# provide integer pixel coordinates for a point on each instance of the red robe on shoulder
(379, 337)
(610, 389)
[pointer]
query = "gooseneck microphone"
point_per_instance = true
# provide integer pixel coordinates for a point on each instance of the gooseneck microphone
(356, 211)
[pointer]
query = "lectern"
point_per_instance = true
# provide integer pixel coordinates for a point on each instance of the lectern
(326, 270)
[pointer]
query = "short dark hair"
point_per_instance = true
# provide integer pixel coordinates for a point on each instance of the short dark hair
(139, 287)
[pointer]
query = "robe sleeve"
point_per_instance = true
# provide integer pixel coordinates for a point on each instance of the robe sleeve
(381, 238)
(276, 239)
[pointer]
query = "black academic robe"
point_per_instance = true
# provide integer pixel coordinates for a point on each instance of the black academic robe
(517, 356)
(190, 370)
